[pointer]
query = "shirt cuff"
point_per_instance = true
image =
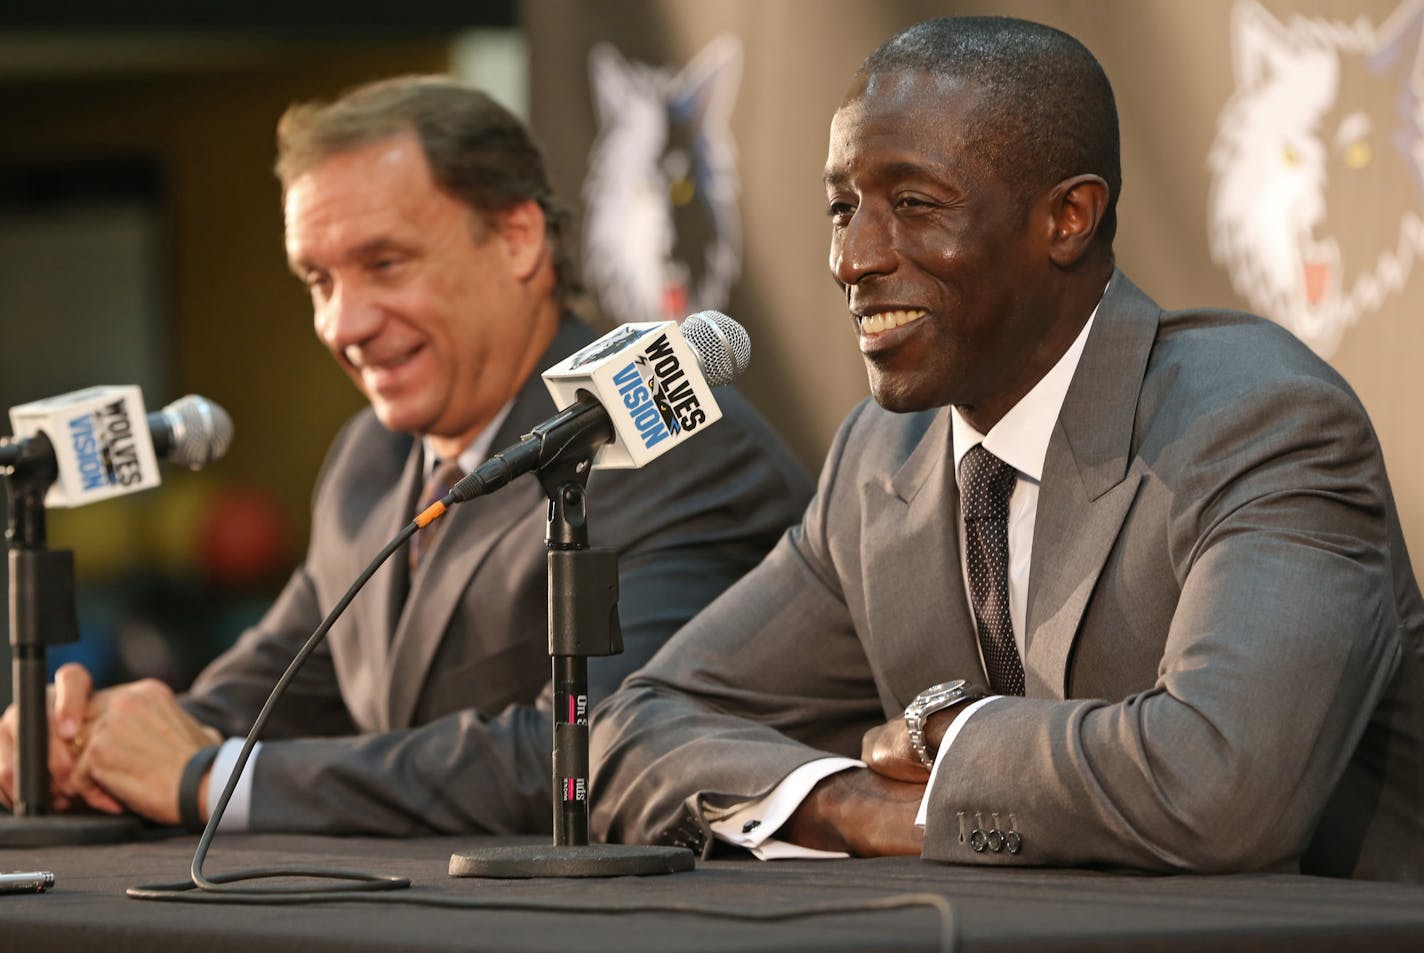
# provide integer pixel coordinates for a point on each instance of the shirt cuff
(752, 824)
(239, 809)
(949, 736)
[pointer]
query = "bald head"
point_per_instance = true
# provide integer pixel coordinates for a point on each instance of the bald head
(1048, 114)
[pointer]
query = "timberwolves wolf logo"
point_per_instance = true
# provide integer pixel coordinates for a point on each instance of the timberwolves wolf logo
(660, 397)
(1318, 167)
(662, 235)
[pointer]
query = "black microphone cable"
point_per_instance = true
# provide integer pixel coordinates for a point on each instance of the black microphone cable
(221, 888)
(542, 446)
(366, 887)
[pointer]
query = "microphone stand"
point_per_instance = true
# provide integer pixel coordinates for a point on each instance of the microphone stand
(42, 613)
(583, 622)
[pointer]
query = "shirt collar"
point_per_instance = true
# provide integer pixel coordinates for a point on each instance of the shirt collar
(1021, 436)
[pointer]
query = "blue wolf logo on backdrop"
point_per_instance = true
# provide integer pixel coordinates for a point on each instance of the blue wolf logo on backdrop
(1318, 167)
(662, 234)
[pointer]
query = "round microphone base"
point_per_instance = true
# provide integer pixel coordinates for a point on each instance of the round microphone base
(49, 830)
(591, 860)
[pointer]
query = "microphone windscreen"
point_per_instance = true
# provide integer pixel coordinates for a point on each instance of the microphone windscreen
(722, 347)
(201, 431)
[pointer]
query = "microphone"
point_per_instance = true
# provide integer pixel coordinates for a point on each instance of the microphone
(98, 442)
(191, 432)
(632, 395)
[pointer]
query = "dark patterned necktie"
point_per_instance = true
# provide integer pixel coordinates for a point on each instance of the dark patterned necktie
(445, 475)
(985, 485)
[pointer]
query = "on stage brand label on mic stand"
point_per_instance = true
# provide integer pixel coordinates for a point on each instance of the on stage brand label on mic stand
(101, 440)
(649, 380)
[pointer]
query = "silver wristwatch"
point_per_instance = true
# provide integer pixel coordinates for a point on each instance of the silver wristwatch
(926, 703)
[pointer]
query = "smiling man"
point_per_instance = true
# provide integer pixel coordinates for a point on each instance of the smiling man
(420, 220)
(1087, 584)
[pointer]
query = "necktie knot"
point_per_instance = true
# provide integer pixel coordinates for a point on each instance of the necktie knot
(445, 475)
(985, 485)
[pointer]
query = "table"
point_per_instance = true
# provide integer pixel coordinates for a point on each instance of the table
(1048, 910)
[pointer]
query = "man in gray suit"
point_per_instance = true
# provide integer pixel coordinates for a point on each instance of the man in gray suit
(1175, 630)
(419, 217)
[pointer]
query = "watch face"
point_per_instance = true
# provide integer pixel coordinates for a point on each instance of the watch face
(942, 690)
(934, 698)
(935, 695)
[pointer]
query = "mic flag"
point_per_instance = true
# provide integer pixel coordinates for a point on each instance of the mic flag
(650, 381)
(99, 443)
(627, 398)
(102, 445)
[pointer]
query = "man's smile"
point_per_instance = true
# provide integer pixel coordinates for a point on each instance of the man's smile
(380, 372)
(880, 330)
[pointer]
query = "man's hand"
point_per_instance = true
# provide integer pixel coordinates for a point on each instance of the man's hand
(67, 706)
(886, 749)
(858, 811)
(139, 741)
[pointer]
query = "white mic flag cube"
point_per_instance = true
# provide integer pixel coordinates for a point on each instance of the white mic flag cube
(650, 383)
(102, 445)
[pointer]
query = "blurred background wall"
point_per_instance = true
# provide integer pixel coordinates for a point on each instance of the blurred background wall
(140, 226)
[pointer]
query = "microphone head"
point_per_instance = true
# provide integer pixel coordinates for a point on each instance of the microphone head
(201, 431)
(721, 345)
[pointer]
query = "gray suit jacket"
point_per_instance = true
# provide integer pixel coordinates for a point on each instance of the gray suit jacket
(431, 712)
(1223, 638)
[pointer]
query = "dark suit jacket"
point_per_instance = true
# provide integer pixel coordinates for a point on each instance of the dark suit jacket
(431, 712)
(1223, 638)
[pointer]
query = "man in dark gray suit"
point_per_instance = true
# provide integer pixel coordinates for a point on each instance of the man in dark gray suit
(419, 217)
(1161, 616)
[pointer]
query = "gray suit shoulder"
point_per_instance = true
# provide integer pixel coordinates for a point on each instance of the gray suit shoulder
(1233, 354)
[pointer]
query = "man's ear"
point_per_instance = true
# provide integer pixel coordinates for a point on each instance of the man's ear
(1076, 206)
(522, 231)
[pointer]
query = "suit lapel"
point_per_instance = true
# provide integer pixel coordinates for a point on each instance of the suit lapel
(474, 529)
(362, 635)
(1087, 486)
(913, 576)
(458, 555)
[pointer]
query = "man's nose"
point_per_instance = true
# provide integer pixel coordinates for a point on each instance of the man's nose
(346, 317)
(863, 247)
